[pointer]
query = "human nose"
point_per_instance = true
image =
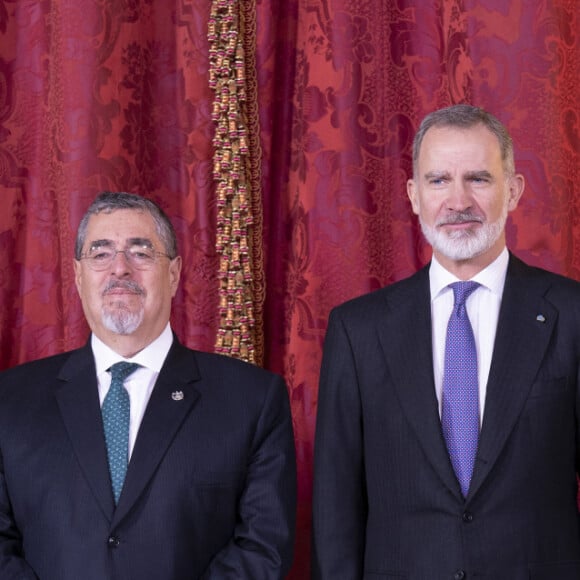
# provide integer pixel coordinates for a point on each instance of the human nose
(122, 265)
(459, 197)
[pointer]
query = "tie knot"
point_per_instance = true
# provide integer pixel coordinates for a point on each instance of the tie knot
(462, 291)
(121, 370)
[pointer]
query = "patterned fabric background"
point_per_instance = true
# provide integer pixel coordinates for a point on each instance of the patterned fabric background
(114, 94)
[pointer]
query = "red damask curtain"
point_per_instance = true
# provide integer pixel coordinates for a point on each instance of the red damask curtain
(116, 95)
(364, 74)
(94, 96)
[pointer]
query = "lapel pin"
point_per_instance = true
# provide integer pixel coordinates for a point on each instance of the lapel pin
(541, 318)
(177, 395)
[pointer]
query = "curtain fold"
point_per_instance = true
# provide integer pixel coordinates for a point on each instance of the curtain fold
(118, 96)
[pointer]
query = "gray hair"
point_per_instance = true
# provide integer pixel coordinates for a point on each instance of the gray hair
(464, 117)
(108, 201)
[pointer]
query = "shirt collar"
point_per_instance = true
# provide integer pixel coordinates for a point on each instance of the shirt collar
(151, 357)
(491, 277)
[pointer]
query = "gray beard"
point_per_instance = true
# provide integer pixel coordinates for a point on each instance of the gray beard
(464, 245)
(122, 321)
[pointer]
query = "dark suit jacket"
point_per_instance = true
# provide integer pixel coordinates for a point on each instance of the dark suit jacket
(387, 504)
(210, 489)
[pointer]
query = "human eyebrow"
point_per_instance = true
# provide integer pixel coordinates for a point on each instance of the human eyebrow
(141, 242)
(101, 244)
(436, 175)
(482, 175)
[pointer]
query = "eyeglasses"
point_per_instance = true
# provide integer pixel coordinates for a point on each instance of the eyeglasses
(139, 257)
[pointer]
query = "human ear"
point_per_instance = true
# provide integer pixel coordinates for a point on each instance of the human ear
(516, 187)
(413, 197)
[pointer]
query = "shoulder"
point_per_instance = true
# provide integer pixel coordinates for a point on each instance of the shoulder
(41, 370)
(399, 294)
(544, 281)
(28, 389)
(225, 377)
(219, 365)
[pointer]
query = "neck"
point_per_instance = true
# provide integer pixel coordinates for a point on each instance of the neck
(127, 345)
(467, 269)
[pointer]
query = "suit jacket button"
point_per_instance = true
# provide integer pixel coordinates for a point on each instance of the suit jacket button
(459, 575)
(467, 517)
(113, 542)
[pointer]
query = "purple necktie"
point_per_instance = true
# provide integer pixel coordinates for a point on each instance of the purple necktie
(460, 407)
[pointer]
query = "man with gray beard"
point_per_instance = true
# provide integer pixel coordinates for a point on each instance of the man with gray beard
(134, 457)
(448, 428)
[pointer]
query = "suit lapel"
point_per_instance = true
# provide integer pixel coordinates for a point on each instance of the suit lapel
(410, 362)
(78, 400)
(526, 323)
(172, 399)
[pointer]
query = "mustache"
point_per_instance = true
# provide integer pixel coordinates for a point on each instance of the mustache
(460, 217)
(129, 285)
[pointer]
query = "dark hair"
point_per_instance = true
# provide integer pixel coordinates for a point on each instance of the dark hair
(466, 116)
(108, 201)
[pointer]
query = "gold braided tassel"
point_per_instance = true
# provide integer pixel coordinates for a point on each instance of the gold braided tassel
(232, 164)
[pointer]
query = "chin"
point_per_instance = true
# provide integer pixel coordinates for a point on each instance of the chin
(122, 322)
(463, 245)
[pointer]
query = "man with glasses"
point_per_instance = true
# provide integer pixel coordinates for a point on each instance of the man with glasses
(135, 458)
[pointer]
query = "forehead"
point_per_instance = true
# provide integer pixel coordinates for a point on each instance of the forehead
(121, 225)
(476, 146)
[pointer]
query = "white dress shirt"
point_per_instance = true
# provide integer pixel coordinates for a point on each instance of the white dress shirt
(140, 384)
(483, 310)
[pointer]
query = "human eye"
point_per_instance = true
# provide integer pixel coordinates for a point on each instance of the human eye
(436, 179)
(438, 183)
(100, 254)
(480, 178)
(142, 254)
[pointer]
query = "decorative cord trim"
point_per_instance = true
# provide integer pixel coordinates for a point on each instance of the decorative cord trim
(236, 171)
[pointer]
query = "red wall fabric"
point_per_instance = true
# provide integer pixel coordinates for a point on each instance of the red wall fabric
(96, 96)
(114, 95)
(339, 222)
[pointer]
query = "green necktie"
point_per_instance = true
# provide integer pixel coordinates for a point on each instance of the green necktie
(116, 415)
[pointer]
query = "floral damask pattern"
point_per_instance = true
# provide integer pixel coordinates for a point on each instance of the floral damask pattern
(115, 95)
(99, 95)
(366, 72)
